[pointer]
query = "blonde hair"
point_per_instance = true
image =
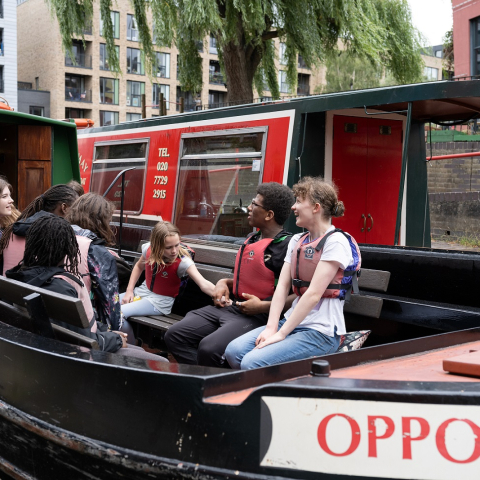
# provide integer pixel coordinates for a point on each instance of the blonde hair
(160, 232)
(317, 190)
(7, 220)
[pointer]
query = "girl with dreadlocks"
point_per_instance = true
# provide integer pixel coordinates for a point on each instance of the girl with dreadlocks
(165, 261)
(90, 216)
(8, 212)
(56, 200)
(51, 261)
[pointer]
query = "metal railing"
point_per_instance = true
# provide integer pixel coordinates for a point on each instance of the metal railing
(78, 95)
(303, 89)
(24, 86)
(81, 61)
(216, 78)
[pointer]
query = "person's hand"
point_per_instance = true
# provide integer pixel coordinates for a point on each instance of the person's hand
(264, 334)
(251, 306)
(221, 295)
(123, 336)
(276, 337)
(127, 298)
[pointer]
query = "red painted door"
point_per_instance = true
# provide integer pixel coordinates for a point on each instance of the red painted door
(366, 167)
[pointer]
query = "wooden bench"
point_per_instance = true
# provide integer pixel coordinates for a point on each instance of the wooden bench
(215, 263)
(35, 310)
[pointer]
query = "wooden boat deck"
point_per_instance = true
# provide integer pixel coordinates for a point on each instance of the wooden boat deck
(420, 367)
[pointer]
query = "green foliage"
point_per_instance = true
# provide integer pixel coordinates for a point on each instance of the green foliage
(448, 58)
(347, 72)
(378, 30)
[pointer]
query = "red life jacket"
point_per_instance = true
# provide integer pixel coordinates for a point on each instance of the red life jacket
(163, 279)
(256, 278)
(305, 258)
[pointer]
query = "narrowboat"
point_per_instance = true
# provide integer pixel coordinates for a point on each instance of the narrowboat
(405, 407)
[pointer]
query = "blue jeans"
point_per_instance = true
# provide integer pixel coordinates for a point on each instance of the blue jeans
(299, 344)
(139, 308)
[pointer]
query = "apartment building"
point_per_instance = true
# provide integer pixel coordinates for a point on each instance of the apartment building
(466, 38)
(8, 51)
(86, 88)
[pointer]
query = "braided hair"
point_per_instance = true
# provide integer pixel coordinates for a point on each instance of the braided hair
(51, 242)
(48, 202)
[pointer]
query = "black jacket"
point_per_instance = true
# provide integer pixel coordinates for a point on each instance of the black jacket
(44, 277)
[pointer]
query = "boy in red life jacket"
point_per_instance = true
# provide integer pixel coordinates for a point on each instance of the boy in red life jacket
(241, 304)
(165, 261)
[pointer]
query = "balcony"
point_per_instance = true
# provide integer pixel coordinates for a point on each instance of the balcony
(81, 61)
(216, 78)
(78, 95)
(303, 89)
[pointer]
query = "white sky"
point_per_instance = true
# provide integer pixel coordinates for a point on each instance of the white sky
(433, 18)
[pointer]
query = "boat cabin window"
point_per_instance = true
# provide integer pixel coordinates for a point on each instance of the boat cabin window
(109, 159)
(218, 176)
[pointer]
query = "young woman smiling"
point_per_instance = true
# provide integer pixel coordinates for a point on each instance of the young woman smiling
(321, 265)
(8, 212)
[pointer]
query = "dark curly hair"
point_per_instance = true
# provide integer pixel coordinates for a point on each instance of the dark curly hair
(278, 198)
(51, 242)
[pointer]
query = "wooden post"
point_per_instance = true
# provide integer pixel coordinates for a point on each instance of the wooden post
(144, 106)
(161, 105)
(182, 104)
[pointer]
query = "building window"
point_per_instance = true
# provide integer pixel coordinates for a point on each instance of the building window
(103, 56)
(132, 28)
(281, 54)
(116, 24)
(213, 46)
(216, 99)
(210, 163)
(34, 110)
(108, 118)
(475, 45)
(134, 61)
(215, 75)
(109, 91)
(157, 90)
(438, 53)
(75, 90)
(131, 117)
(134, 93)
(2, 52)
(1, 79)
(109, 159)
(74, 113)
(162, 65)
(431, 74)
(79, 55)
(303, 84)
(282, 81)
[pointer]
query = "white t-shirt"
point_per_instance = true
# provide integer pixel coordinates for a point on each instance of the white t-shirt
(328, 313)
(161, 302)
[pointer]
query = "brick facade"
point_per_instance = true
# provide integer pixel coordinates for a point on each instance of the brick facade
(41, 62)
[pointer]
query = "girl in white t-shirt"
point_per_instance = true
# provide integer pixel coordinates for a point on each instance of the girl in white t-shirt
(165, 261)
(313, 325)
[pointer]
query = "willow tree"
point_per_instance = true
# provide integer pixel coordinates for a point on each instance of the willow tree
(379, 31)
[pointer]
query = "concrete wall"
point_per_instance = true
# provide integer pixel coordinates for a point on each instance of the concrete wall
(34, 98)
(9, 59)
(454, 191)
